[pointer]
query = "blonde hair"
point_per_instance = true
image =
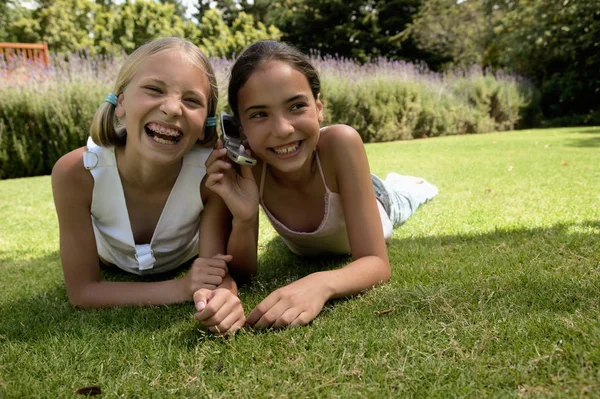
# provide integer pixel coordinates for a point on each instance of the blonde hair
(104, 129)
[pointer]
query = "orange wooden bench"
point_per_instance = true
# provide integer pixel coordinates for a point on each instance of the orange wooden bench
(21, 62)
(15, 53)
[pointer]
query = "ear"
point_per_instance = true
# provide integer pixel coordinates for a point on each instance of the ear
(120, 109)
(319, 108)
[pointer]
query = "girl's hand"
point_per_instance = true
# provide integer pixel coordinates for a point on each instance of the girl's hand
(295, 304)
(219, 310)
(239, 192)
(206, 273)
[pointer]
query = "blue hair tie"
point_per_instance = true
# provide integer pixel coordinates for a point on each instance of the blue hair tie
(211, 121)
(111, 98)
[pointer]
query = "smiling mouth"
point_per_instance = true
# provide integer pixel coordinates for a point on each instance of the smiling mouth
(162, 134)
(287, 149)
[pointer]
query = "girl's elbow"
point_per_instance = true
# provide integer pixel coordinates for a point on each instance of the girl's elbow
(386, 272)
(79, 300)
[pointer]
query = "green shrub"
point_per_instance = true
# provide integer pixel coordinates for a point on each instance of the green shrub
(47, 116)
(38, 124)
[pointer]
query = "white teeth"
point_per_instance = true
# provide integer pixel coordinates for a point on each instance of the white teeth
(162, 141)
(286, 150)
(155, 127)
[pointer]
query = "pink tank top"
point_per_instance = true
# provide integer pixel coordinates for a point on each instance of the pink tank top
(329, 238)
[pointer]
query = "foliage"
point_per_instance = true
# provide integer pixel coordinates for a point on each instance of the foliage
(180, 8)
(48, 114)
(457, 33)
(5, 18)
(219, 40)
(64, 24)
(557, 44)
(554, 43)
(359, 29)
(141, 21)
(127, 25)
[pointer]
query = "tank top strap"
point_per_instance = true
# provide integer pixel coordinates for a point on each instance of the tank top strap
(262, 180)
(98, 156)
(264, 172)
(321, 171)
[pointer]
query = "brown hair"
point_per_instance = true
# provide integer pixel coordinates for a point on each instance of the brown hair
(269, 50)
(105, 132)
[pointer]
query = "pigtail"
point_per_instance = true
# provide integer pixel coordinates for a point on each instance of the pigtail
(210, 132)
(103, 130)
(210, 125)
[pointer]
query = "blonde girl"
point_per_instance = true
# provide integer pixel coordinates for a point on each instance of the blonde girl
(139, 196)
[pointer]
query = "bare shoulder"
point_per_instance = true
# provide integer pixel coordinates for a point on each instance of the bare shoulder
(332, 137)
(341, 152)
(340, 144)
(70, 177)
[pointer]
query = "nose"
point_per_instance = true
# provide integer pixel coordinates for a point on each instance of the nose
(171, 106)
(282, 126)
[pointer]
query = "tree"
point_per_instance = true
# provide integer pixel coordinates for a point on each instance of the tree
(348, 28)
(457, 33)
(17, 23)
(180, 9)
(143, 20)
(217, 39)
(65, 24)
(5, 18)
(555, 43)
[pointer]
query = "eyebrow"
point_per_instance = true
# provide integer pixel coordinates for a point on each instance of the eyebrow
(289, 100)
(159, 82)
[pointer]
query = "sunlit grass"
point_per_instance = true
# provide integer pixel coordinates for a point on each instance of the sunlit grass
(494, 293)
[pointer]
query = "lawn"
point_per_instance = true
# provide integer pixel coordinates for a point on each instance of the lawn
(495, 292)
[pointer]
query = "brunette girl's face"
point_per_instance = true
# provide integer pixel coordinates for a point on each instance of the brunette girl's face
(280, 116)
(165, 106)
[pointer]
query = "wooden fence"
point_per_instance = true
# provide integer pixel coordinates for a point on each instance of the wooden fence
(16, 54)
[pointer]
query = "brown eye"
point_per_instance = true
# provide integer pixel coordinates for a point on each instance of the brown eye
(298, 106)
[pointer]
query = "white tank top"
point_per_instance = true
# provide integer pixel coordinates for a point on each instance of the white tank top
(175, 239)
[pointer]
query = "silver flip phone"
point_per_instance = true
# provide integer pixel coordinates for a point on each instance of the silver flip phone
(233, 141)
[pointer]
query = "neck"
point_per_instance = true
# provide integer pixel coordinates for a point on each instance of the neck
(297, 179)
(136, 173)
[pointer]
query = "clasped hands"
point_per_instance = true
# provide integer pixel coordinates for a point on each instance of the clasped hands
(296, 304)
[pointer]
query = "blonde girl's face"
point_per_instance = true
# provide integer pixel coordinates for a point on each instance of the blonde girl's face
(165, 106)
(280, 116)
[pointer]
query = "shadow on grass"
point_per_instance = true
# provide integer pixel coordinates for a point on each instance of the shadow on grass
(49, 313)
(517, 271)
(586, 142)
(279, 266)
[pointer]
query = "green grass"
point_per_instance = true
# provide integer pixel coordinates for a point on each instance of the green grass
(495, 293)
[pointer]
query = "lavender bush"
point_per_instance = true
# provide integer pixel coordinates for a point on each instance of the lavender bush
(46, 112)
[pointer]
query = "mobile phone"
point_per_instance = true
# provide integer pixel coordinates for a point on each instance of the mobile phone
(233, 141)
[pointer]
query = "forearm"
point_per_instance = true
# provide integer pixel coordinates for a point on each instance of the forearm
(353, 278)
(229, 284)
(109, 294)
(242, 246)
